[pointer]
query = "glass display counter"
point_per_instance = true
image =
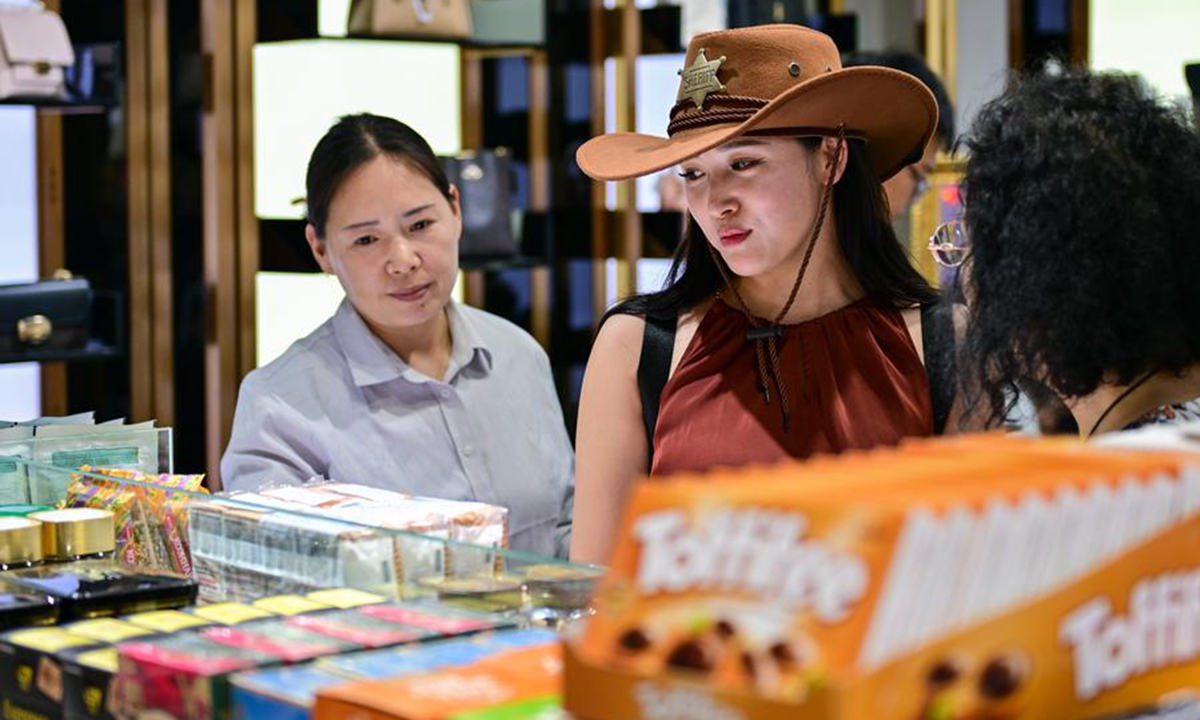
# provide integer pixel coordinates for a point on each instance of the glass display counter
(299, 539)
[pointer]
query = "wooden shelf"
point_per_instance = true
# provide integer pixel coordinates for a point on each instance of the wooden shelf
(93, 351)
(107, 330)
(60, 106)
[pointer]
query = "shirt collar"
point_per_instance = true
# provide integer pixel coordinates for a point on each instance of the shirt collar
(372, 362)
(469, 346)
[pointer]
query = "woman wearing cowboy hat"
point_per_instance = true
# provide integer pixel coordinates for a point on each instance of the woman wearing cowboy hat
(791, 323)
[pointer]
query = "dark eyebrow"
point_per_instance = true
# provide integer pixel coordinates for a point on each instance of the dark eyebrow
(741, 142)
(417, 210)
(363, 224)
(370, 223)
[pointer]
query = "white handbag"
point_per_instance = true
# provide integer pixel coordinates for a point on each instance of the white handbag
(34, 49)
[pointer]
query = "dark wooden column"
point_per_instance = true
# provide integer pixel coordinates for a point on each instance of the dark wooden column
(230, 228)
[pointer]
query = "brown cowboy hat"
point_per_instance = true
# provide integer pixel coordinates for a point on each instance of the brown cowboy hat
(774, 80)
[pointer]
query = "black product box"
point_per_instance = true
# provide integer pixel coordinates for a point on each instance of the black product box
(31, 676)
(89, 675)
(88, 672)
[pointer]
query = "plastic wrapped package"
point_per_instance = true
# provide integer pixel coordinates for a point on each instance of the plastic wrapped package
(414, 558)
(472, 523)
(15, 442)
(151, 518)
(126, 447)
(242, 552)
(328, 495)
(288, 539)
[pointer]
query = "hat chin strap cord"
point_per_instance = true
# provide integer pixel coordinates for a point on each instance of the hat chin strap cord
(767, 336)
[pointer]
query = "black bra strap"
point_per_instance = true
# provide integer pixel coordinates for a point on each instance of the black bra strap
(654, 365)
(937, 339)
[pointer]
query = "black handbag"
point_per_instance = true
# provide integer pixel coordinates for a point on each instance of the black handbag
(45, 315)
(484, 181)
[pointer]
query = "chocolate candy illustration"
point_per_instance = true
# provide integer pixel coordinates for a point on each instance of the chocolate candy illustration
(724, 629)
(1002, 676)
(691, 655)
(634, 640)
(944, 672)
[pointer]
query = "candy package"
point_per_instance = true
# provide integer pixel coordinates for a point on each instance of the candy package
(878, 580)
(184, 676)
(150, 513)
(281, 638)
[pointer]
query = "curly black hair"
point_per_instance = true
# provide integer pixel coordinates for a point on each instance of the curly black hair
(1082, 197)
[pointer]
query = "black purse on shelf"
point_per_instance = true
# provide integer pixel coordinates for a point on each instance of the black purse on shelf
(45, 315)
(484, 180)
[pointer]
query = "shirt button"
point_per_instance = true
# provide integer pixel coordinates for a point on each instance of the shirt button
(445, 393)
(467, 450)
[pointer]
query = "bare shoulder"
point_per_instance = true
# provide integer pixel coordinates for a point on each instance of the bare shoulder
(619, 338)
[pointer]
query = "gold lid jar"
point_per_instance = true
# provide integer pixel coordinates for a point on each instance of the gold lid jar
(20, 542)
(75, 533)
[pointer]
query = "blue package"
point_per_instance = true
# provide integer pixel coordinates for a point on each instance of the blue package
(517, 639)
(286, 693)
(392, 663)
(429, 657)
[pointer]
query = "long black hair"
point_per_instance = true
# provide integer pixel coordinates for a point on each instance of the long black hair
(352, 142)
(864, 230)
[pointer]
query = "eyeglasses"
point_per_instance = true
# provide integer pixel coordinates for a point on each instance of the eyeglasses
(948, 244)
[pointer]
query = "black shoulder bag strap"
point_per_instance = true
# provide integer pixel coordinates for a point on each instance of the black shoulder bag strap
(937, 339)
(654, 365)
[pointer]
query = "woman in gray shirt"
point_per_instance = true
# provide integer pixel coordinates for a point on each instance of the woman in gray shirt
(403, 388)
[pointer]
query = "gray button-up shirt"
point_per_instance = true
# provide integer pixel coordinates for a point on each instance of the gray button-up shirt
(340, 404)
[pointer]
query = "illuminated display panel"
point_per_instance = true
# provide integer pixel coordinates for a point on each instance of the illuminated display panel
(302, 87)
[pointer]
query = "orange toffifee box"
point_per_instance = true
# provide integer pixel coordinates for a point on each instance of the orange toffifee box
(785, 584)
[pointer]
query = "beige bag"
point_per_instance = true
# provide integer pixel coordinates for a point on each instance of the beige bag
(435, 18)
(34, 49)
